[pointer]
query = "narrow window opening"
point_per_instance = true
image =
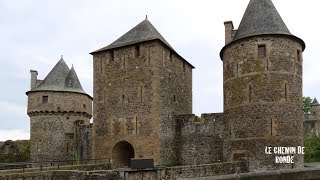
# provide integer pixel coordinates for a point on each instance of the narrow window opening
(67, 147)
(149, 56)
(250, 93)
(261, 51)
(100, 65)
(298, 55)
(286, 91)
(111, 56)
(237, 69)
(136, 125)
(137, 51)
(174, 98)
(84, 106)
(169, 76)
(271, 127)
(140, 93)
(184, 67)
(45, 99)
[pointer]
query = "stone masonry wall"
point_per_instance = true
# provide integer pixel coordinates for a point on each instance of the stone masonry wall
(175, 98)
(199, 140)
(56, 127)
(262, 99)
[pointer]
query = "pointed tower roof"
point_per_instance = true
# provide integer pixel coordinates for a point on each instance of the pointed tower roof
(72, 82)
(144, 31)
(315, 102)
(60, 78)
(261, 17)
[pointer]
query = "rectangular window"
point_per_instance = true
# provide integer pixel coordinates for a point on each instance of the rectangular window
(262, 51)
(137, 51)
(45, 99)
(298, 55)
(111, 56)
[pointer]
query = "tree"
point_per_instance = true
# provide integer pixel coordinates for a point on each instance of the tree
(306, 104)
(312, 149)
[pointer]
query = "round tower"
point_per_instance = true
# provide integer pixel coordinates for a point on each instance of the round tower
(60, 113)
(315, 109)
(262, 66)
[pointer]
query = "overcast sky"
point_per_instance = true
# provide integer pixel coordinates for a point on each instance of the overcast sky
(35, 33)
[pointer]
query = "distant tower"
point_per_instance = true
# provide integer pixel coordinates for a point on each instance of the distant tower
(59, 113)
(262, 65)
(140, 82)
(315, 107)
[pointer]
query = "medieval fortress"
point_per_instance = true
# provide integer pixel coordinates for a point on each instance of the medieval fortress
(142, 100)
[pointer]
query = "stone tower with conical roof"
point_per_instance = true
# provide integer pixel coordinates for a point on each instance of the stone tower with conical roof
(140, 83)
(60, 112)
(262, 65)
(315, 107)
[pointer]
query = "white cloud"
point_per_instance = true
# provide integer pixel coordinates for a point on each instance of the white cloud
(13, 134)
(13, 109)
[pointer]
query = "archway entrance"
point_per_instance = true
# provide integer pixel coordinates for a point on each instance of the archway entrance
(122, 153)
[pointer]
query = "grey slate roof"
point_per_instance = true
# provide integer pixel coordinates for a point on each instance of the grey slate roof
(261, 17)
(144, 31)
(60, 78)
(315, 102)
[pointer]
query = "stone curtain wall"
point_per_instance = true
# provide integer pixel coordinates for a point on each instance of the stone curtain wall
(175, 97)
(199, 140)
(262, 99)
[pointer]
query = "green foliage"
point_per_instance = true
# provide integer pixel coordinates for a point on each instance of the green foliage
(306, 104)
(198, 119)
(312, 149)
(24, 154)
(19, 151)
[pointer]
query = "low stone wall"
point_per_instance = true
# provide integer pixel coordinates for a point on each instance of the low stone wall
(290, 174)
(163, 173)
(203, 170)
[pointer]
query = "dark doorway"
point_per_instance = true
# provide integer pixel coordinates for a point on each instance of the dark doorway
(122, 154)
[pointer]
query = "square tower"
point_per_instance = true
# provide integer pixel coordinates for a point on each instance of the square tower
(140, 83)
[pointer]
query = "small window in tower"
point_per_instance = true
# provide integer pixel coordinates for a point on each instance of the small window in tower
(45, 99)
(184, 66)
(111, 56)
(174, 98)
(137, 51)
(298, 55)
(262, 51)
(84, 106)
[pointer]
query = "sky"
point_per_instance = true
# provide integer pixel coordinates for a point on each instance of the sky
(35, 33)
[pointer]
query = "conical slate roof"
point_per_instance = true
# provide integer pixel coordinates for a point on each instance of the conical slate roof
(72, 82)
(315, 102)
(261, 17)
(60, 78)
(144, 31)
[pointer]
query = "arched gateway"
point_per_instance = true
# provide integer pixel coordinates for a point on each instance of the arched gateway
(122, 153)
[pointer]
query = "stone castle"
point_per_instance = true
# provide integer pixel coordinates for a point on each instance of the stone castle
(142, 100)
